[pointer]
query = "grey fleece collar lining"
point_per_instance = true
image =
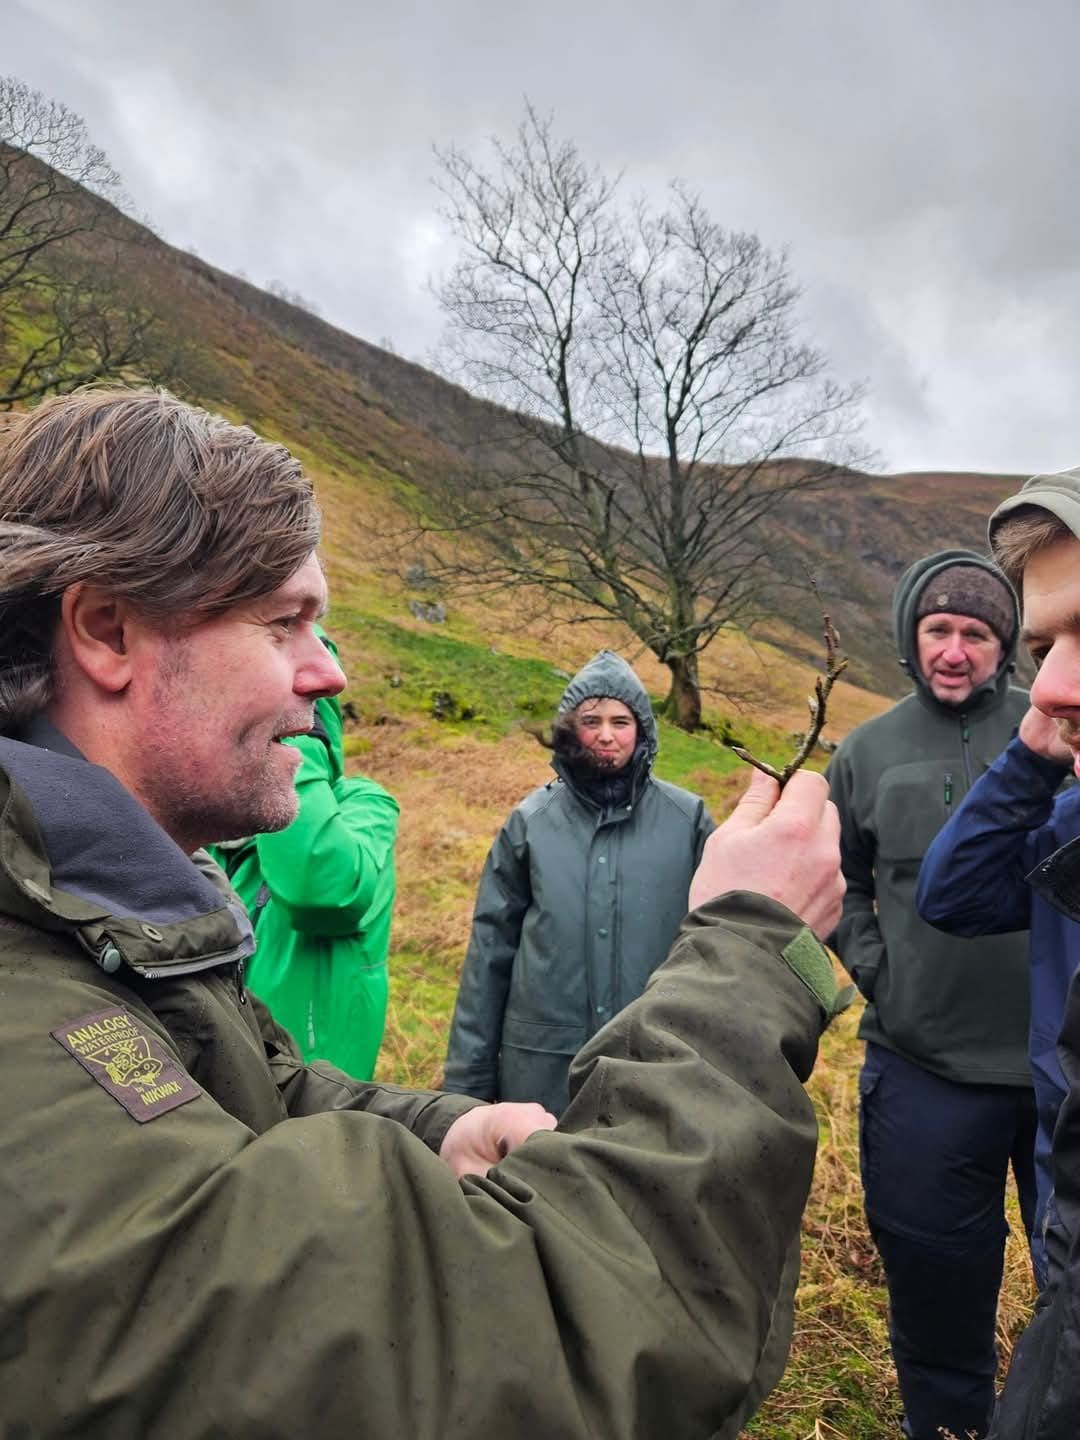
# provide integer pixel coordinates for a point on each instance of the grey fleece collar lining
(101, 845)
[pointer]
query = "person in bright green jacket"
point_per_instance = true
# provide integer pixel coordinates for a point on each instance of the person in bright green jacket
(320, 895)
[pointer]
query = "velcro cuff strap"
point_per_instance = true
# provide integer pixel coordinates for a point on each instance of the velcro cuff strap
(810, 961)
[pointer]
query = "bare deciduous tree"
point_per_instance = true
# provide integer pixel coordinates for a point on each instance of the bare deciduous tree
(657, 385)
(68, 313)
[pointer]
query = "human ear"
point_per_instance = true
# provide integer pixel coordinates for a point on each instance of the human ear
(95, 625)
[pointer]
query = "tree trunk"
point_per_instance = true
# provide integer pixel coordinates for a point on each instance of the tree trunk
(683, 704)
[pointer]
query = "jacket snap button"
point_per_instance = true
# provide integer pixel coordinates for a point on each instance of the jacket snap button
(110, 959)
(602, 860)
(38, 891)
(601, 933)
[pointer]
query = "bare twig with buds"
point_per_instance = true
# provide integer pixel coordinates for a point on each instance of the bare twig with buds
(835, 665)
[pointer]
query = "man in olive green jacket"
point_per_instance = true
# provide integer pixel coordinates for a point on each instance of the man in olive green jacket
(945, 1090)
(205, 1237)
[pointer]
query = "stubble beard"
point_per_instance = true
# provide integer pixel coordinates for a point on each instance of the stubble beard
(258, 796)
(258, 800)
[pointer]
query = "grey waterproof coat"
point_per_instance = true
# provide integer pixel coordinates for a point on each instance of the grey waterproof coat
(576, 908)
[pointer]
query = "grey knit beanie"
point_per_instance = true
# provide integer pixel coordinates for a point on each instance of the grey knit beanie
(970, 590)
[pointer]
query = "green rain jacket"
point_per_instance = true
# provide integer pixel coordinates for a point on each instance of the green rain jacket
(320, 894)
(957, 1007)
(204, 1237)
(576, 907)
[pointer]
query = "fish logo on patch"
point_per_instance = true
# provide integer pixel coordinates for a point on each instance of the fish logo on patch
(129, 1062)
(132, 1065)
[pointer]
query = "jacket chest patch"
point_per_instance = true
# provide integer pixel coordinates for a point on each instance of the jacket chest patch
(130, 1064)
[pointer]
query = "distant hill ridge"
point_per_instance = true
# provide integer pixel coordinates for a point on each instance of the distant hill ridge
(363, 410)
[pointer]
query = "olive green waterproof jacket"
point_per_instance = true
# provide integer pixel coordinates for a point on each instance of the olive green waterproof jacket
(205, 1238)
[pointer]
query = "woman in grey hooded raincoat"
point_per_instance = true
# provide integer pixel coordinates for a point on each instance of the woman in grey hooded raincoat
(579, 901)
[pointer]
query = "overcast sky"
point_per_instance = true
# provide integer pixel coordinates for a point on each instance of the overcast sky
(919, 158)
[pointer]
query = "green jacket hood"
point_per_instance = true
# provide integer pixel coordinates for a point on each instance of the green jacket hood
(906, 597)
(328, 722)
(608, 675)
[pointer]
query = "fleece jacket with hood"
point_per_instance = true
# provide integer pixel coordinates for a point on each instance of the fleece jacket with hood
(957, 1007)
(577, 905)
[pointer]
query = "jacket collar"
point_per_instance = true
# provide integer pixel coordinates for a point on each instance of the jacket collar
(983, 700)
(79, 854)
(638, 769)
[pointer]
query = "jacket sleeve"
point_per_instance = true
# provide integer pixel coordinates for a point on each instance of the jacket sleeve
(703, 827)
(858, 939)
(972, 877)
(504, 895)
(317, 1087)
(323, 868)
(622, 1277)
(1041, 1398)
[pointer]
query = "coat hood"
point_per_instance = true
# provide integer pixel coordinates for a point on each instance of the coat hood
(608, 675)
(1059, 493)
(328, 725)
(909, 589)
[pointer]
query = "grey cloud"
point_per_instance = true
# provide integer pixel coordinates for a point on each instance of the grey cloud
(918, 159)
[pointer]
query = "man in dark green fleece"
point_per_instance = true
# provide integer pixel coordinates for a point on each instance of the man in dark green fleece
(203, 1236)
(946, 1098)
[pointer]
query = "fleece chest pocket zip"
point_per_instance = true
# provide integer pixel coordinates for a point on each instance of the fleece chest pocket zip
(965, 751)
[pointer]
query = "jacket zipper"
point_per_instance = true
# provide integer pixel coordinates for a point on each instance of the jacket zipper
(948, 795)
(234, 957)
(965, 750)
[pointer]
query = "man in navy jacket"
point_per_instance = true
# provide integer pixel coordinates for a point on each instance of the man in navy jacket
(974, 882)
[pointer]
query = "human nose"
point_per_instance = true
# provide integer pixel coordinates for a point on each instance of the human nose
(320, 675)
(1056, 687)
(954, 652)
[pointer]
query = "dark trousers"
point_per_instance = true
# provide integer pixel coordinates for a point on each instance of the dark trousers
(935, 1155)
